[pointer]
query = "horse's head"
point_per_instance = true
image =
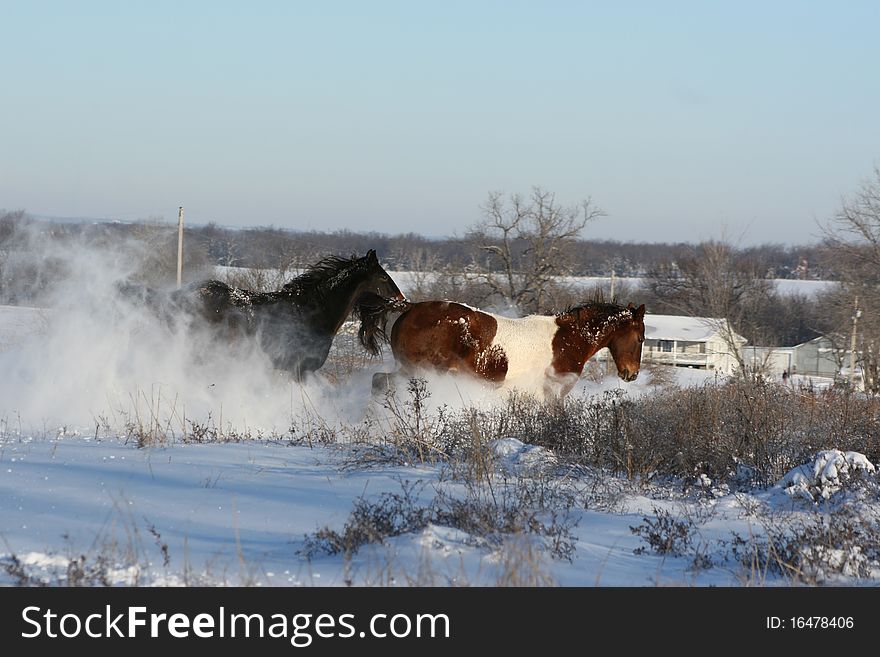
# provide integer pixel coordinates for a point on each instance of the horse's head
(377, 280)
(626, 341)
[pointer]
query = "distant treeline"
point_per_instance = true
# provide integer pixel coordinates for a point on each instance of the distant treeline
(271, 247)
(266, 247)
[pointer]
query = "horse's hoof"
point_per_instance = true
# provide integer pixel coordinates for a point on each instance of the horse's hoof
(382, 383)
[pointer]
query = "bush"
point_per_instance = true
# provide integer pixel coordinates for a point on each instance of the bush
(739, 434)
(815, 549)
(488, 514)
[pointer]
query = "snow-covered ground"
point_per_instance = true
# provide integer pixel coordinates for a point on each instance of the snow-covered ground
(79, 499)
(238, 513)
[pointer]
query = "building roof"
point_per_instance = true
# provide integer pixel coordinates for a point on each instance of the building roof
(820, 339)
(683, 328)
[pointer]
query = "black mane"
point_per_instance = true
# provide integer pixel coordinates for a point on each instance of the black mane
(314, 283)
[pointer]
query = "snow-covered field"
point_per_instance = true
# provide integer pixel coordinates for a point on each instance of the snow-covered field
(238, 513)
(80, 500)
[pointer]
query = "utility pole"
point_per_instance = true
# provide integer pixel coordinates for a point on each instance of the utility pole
(612, 286)
(179, 246)
(852, 346)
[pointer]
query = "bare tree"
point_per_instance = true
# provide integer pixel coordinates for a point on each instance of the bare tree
(855, 230)
(853, 245)
(523, 244)
(429, 277)
(713, 280)
(220, 244)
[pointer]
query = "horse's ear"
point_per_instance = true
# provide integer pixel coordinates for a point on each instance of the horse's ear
(630, 306)
(639, 313)
(371, 255)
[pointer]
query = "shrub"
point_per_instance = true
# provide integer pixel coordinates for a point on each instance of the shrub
(739, 434)
(814, 549)
(490, 515)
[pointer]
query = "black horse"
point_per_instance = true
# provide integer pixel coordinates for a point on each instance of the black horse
(295, 325)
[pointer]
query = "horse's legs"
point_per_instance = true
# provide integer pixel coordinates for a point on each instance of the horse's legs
(558, 384)
(382, 383)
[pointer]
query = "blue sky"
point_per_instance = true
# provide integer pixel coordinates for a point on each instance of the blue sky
(683, 120)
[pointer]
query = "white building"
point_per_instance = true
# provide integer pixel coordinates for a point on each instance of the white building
(818, 357)
(689, 342)
(770, 360)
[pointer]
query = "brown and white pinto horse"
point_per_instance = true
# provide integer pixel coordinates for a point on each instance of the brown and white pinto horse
(541, 353)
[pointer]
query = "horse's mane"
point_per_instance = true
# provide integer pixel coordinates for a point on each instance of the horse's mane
(601, 310)
(318, 279)
(373, 312)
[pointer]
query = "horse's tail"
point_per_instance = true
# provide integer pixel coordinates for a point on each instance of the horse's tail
(373, 311)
